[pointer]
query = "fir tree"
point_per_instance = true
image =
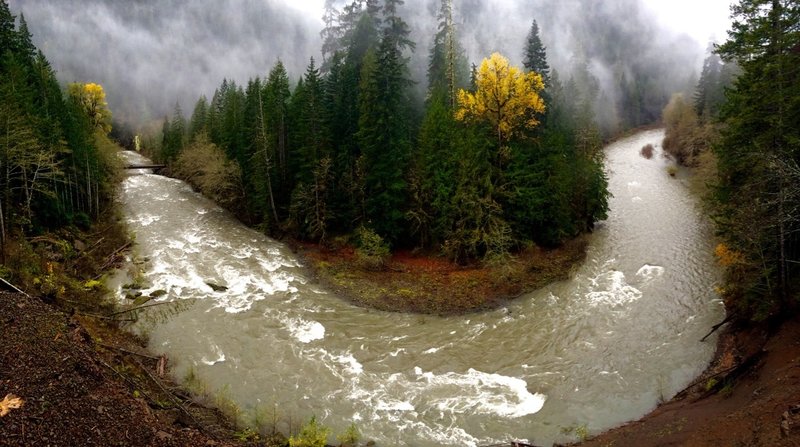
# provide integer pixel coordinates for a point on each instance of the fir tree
(535, 57)
(198, 122)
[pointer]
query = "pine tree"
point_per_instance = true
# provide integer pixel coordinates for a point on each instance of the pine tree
(8, 33)
(177, 133)
(276, 102)
(24, 44)
(535, 57)
(706, 98)
(448, 69)
(384, 126)
(331, 34)
(197, 124)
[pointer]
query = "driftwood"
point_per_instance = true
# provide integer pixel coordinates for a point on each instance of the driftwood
(152, 166)
(103, 317)
(127, 380)
(120, 312)
(12, 287)
(174, 399)
(113, 257)
(128, 351)
(511, 444)
(719, 325)
(47, 239)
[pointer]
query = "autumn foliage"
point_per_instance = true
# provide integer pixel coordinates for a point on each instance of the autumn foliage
(93, 99)
(505, 97)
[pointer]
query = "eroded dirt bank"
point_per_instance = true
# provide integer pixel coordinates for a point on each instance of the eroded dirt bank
(749, 397)
(82, 389)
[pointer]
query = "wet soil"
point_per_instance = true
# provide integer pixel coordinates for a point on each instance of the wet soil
(429, 284)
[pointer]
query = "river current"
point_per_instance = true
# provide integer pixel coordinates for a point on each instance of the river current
(582, 355)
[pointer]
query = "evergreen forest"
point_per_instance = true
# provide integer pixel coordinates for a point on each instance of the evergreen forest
(58, 166)
(492, 158)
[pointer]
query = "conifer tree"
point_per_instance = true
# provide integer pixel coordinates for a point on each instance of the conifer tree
(384, 126)
(197, 124)
(535, 57)
(276, 105)
(8, 33)
(707, 99)
(331, 34)
(24, 45)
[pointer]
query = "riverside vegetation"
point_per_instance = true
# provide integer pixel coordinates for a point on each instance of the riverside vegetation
(739, 134)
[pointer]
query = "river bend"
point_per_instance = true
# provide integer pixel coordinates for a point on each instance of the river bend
(588, 353)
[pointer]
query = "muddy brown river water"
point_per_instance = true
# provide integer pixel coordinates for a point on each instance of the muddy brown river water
(581, 355)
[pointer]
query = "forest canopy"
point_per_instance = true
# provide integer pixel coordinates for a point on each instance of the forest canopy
(479, 168)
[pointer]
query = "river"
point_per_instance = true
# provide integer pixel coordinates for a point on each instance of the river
(582, 355)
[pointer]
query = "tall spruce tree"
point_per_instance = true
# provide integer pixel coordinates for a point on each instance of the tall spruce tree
(535, 57)
(276, 101)
(384, 125)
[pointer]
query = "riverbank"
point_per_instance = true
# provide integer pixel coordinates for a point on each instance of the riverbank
(429, 284)
(88, 384)
(84, 380)
(749, 396)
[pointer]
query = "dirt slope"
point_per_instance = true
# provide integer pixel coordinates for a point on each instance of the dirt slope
(72, 394)
(760, 406)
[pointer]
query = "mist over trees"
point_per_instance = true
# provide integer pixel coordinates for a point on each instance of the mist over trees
(57, 165)
(476, 167)
(187, 47)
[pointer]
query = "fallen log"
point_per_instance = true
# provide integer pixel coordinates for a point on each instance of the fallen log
(719, 325)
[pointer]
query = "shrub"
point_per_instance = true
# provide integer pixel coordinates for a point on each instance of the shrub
(371, 251)
(647, 151)
(350, 437)
(206, 167)
(686, 137)
(313, 434)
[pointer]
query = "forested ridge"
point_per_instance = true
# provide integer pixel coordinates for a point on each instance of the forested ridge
(57, 165)
(742, 127)
(493, 158)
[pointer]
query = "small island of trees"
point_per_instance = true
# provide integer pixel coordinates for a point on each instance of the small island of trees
(496, 159)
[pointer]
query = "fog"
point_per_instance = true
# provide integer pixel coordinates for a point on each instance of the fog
(150, 54)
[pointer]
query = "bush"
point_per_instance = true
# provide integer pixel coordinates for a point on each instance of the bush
(350, 437)
(206, 167)
(313, 434)
(686, 137)
(372, 251)
(647, 151)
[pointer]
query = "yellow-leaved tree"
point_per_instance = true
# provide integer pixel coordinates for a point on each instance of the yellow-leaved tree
(93, 98)
(505, 97)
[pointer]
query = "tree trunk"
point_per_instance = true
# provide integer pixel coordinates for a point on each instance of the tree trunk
(266, 156)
